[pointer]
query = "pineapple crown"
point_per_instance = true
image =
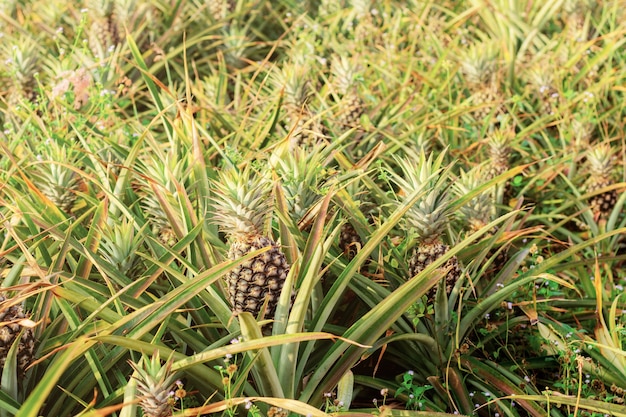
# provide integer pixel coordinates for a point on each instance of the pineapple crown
(479, 64)
(300, 174)
(499, 148)
(600, 162)
(541, 74)
(582, 130)
(476, 212)
(100, 8)
(345, 73)
(429, 215)
(578, 6)
(23, 59)
(294, 81)
(242, 202)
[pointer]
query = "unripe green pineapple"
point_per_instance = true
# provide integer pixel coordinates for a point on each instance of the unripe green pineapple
(600, 167)
(155, 382)
(104, 31)
(480, 69)
(242, 206)
(428, 217)
(345, 76)
(13, 331)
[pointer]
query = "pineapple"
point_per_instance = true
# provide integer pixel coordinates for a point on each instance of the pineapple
(499, 152)
(155, 384)
(477, 212)
(428, 216)
(541, 78)
(23, 63)
(12, 331)
(304, 128)
(219, 9)
(167, 176)
(600, 167)
(345, 75)
(242, 208)
(56, 179)
(104, 32)
(575, 13)
(301, 172)
(119, 245)
(480, 68)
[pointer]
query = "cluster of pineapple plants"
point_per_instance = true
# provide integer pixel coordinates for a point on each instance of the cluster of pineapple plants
(295, 208)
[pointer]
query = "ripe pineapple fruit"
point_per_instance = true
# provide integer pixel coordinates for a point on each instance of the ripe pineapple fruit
(10, 329)
(242, 207)
(428, 217)
(345, 76)
(104, 32)
(600, 167)
(155, 382)
(480, 68)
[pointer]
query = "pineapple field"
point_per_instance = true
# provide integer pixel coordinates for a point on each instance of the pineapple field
(312, 208)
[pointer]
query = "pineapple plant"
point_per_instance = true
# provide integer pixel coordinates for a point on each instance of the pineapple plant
(105, 31)
(480, 69)
(600, 167)
(12, 330)
(345, 77)
(155, 383)
(428, 217)
(242, 207)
